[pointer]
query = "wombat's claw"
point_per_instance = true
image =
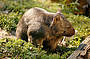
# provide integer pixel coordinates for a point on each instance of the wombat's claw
(29, 40)
(39, 47)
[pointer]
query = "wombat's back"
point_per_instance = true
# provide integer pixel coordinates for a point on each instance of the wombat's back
(35, 15)
(37, 11)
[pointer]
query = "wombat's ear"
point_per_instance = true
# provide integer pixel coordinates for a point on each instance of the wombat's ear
(53, 21)
(56, 18)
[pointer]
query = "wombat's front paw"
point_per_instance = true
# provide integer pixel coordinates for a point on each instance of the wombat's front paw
(30, 39)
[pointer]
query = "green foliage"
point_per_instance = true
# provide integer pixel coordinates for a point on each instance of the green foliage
(11, 12)
(65, 52)
(9, 21)
(81, 25)
(13, 48)
(69, 8)
(17, 5)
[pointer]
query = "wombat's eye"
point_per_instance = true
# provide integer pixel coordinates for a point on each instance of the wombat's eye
(56, 19)
(64, 31)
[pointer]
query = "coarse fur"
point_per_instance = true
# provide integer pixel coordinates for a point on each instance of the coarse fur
(38, 25)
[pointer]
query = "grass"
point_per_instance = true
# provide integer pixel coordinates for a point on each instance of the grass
(12, 10)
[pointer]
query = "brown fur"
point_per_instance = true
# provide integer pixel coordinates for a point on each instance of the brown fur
(38, 25)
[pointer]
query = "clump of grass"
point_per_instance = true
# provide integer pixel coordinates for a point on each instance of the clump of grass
(20, 49)
(12, 48)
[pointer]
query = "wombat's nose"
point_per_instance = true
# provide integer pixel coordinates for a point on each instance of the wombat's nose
(73, 31)
(64, 31)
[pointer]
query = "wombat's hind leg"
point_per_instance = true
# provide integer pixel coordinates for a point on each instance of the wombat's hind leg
(18, 36)
(18, 33)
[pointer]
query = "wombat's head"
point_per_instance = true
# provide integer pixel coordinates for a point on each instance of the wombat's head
(61, 25)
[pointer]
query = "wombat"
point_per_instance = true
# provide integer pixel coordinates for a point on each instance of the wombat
(38, 25)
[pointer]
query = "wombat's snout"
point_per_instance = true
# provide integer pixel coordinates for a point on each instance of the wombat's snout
(70, 33)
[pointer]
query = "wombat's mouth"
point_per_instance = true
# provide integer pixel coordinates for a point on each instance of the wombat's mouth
(65, 34)
(68, 35)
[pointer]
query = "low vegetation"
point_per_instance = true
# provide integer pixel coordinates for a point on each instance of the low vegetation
(12, 10)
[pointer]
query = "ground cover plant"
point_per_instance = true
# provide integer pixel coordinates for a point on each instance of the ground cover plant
(12, 10)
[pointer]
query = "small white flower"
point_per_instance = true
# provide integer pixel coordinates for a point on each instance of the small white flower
(30, 48)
